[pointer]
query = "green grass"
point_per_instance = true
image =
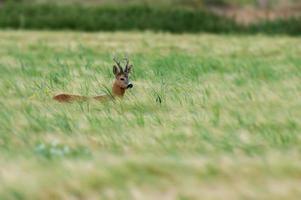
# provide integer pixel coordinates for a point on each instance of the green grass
(228, 125)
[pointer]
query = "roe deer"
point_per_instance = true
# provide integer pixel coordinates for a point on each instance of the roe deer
(120, 84)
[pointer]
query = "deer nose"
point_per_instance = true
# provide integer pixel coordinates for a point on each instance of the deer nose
(130, 85)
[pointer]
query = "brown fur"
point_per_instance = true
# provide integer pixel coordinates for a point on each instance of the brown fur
(117, 91)
(69, 98)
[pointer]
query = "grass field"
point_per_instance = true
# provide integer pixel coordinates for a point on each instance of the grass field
(228, 125)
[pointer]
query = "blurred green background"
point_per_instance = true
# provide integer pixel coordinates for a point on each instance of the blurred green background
(178, 16)
(191, 3)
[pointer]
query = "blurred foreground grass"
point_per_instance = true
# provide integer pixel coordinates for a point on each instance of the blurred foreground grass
(227, 127)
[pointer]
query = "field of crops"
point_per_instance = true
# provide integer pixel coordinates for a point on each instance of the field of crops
(209, 117)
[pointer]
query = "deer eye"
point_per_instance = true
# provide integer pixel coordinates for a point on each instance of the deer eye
(122, 79)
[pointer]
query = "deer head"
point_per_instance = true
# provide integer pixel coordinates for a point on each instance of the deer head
(122, 81)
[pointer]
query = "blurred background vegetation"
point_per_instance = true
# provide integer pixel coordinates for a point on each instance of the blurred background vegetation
(189, 3)
(178, 16)
(186, 3)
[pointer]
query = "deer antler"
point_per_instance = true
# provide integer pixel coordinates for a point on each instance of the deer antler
(118, 64)
(127, 65)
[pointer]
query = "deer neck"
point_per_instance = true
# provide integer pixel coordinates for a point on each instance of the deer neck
(117, 90)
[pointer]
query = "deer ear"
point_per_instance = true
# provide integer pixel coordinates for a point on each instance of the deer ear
(115, 70)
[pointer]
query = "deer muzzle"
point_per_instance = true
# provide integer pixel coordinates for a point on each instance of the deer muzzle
(130, 85)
